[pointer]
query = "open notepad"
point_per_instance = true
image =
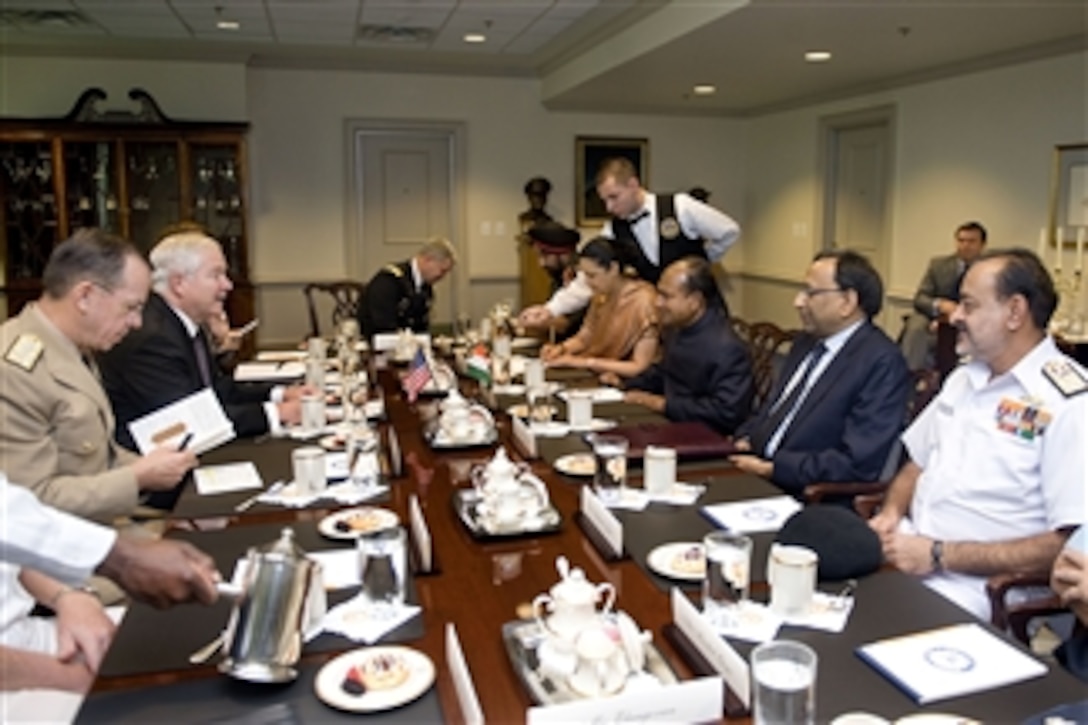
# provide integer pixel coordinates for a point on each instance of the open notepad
(950, 661)
(199, 414)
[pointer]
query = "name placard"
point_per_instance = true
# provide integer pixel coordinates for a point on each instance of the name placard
(462, 678)
(692, 701)
(420, 533)
(725, 660)
(523, 437)
(601, 518)
(396, 461)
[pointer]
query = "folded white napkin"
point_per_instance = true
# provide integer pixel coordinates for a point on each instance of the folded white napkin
(299, 434)
(826, 611)
(631, 499)
(345, 493)
(356, 620)
(754, 622)
(600, 395)
(679, 494)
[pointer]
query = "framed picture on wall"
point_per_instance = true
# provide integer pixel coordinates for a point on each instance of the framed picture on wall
(589, 153)
(1069, 193)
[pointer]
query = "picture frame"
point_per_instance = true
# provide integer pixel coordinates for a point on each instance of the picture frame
(1068, 193)
(589, 153)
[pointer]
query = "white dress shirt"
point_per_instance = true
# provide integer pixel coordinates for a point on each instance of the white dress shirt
(697, 221)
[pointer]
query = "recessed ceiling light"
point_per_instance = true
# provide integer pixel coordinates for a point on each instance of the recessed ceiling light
(228, 25)
(704, 90)
(475, 38)
(818, 56)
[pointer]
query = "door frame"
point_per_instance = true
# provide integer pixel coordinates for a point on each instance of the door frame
(830, 127)
(454, 132)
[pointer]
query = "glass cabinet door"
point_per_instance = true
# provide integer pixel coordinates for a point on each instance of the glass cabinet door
(90, 180)
(217, 199)
(153, 187)
(29, 211)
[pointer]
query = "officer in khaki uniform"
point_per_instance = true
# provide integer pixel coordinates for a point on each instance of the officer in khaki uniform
(399, 296)
(56, 426)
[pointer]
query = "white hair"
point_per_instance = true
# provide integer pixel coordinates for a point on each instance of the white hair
(177, 254)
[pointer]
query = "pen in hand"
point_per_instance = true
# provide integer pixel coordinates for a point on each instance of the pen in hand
(185, 441)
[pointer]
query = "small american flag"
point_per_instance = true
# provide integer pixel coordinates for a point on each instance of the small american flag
(419, 374)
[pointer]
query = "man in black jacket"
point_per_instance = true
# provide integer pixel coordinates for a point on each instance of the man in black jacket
(705, 374)
(169, 357)
(399, 296)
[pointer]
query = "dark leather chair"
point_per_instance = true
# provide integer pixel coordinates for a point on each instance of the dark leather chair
(346, 296)
(768, 345)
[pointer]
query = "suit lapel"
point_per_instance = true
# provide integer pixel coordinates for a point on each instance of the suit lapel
(798, 353)
(839, 367)
(174, 329)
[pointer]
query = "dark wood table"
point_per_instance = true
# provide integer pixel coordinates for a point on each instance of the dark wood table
(481, 586)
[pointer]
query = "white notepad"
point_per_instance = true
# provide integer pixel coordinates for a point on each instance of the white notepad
(227, 477)
(754, 516)
(949, 662)
(199, 414)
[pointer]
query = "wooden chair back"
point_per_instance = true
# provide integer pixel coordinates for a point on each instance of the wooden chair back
(345, 297)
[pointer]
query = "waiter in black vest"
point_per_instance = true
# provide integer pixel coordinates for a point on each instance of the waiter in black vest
(651, 231)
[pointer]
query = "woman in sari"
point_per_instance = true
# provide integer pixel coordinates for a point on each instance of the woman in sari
(620, 332)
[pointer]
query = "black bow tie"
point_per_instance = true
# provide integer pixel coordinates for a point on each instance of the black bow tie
(638, 217)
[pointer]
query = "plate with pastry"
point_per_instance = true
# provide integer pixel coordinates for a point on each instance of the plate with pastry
(373, 679)
(576, 464)
(353, 523)
(685, 560)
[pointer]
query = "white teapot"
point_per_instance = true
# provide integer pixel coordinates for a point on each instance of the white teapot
(507, 494)
(572, 606)
(462, 421)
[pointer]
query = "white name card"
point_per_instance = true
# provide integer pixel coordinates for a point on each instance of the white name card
(420, 533)
(725, 660)
(603, 520)
(692, 701)
(524, 437)
(462, 678)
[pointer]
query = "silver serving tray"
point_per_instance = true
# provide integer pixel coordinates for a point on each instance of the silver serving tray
(430, 434)
(521, 639)
(466, 501)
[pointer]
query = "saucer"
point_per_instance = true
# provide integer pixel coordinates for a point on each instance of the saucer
(576, 464)
(373, 679)
(674, 561)
(350, 524)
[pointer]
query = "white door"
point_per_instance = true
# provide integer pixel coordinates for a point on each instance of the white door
(403, 199)
(859, 185)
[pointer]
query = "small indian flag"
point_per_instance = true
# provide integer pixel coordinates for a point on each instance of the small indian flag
(479, 365)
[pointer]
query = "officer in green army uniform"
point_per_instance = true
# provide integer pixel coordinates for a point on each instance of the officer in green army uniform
(399, 296)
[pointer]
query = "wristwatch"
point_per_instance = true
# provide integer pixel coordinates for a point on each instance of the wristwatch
(936, 555)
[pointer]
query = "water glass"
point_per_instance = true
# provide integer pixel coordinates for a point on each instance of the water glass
(315, 373)
(783, 683)
(383, 563)
(725, 584)
(316, 349)
(579, 409)
(659, 469)
(313, 414)
(534, 372)
(308, 466)
(610, 478)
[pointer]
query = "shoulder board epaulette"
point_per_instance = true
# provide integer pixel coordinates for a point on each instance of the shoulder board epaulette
(25, 351)
(1064, 375)
(394, 270)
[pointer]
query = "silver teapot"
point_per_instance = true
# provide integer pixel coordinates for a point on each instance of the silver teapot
(281, 597)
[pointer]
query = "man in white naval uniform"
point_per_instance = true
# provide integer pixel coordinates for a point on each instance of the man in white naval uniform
(997, 473)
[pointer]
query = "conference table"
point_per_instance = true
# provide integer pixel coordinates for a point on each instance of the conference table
(478, 586)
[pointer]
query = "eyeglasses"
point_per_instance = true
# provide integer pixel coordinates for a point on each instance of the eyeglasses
(810, 292)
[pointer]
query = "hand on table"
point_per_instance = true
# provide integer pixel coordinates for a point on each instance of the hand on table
(161, 572)
(909, 553)
(654, 402)
(753, 464)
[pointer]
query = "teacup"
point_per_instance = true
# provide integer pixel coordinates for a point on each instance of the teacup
(601, 667)
(791, 573)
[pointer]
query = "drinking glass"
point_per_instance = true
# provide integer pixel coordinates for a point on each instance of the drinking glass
(725, 584)
(308, 467)
(383, 558)
(611, 476)
(659, 469)
(783, 683)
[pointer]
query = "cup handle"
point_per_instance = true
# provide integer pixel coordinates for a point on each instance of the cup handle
(611, 594)
(538, 603)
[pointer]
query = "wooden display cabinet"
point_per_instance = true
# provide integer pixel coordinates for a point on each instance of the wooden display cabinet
(133, 173)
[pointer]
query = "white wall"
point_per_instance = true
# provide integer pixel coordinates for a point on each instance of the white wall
(978, 146)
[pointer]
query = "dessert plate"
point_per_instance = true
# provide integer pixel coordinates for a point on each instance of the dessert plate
(374, 679)
(352, 523)
(685, 560)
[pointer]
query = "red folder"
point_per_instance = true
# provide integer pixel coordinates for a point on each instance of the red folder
(692, 441)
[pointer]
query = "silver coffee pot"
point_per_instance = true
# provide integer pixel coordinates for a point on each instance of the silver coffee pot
(281, 597)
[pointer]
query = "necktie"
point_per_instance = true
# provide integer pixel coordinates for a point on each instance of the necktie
(638, 217)
(200, 349)
(784, 405)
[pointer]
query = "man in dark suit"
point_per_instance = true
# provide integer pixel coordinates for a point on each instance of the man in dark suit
(169, 357)
(839, 405)
(705, 374)
(399, 296)
(938, 294)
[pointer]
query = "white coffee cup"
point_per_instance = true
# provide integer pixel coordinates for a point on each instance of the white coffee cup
(659, 469)
(791, 573)
(315, 373)
(534, 373)
(579, 409)
(308, 466)
(316, 348)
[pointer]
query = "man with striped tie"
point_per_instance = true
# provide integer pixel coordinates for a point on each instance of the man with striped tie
(838, 407)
